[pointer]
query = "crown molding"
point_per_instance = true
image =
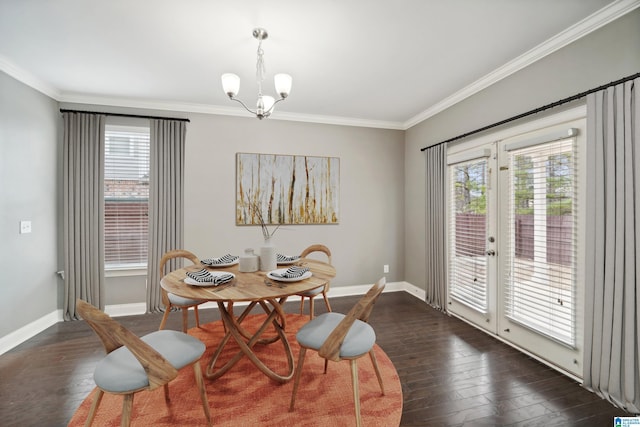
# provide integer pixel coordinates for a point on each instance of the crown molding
(29, 79)
(147, 104)
(598, 19)
(224, 111)
(335, 120)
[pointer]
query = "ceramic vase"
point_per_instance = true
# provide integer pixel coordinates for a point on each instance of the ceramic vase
(248, 262)
(267, 256)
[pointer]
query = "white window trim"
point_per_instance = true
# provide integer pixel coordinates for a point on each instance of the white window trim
(126, 271)
(515, 131)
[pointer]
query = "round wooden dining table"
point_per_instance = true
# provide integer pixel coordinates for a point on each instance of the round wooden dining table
(255, 289)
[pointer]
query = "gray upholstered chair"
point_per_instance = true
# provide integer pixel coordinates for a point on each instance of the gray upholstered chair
(171, 300)
(339, 337)
(317, 291)
(133, 364)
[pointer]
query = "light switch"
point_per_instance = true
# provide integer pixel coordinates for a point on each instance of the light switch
(25, 227)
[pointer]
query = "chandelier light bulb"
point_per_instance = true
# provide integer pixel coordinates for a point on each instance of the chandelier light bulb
(282, 83)
(231, 84)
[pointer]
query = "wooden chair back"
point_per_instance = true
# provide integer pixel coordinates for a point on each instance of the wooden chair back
(176, 253)
(316, 248)
(361, 311)
(113, 336)
(171, 255)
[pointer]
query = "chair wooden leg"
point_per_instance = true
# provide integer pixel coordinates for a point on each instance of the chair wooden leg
(356, 389)
(167, 310)
(185, 319)
(326, 364)
(311, 308)
(203, 391)
(296, 380)
(195, 311)
(127, 405)
(167, 398)
(94, 407)
(326, 301)
(301, 304)
(374, 361)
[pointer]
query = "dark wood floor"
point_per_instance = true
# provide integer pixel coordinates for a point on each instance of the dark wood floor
(451, 373)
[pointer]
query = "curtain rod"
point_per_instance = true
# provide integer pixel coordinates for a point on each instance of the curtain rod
(537, 110)
(136, 116)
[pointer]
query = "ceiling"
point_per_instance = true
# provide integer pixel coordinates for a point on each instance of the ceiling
(374, 63)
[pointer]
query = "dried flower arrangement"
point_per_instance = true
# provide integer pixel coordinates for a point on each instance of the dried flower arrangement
(265, 230)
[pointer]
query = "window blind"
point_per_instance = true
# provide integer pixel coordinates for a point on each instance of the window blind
(468, 221)
(540, 273)
(126, 193)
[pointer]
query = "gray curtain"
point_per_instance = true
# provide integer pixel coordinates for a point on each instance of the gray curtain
(83, 207)
(166, 200)
(436, 220)
(612, 316)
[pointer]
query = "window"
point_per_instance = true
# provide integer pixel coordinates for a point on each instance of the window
(126, 196)
(540, 279)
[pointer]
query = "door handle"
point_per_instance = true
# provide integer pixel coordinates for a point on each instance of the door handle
(491, 252)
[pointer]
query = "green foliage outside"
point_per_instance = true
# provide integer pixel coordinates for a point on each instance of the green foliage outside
(470, 185)
(559, 184)
(470, 189)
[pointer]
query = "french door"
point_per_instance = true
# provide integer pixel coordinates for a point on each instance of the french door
(472, 225)
(515, 235)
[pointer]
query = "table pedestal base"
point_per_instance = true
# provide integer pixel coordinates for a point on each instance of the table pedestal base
(275, 316)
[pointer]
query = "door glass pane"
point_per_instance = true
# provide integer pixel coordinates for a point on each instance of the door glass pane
(540, 276)
(468, 232)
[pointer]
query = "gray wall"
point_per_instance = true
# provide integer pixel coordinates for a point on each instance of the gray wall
(605, 55)
(371, 229)
(29, 141)
(369, 235)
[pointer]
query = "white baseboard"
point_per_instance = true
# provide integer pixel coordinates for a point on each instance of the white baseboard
(344, 291)
(21, 335)
(117, 310)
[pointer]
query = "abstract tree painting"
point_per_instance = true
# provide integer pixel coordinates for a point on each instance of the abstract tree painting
(285, 189)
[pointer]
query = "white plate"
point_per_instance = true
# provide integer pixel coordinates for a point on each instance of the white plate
(284, 279)
(228, 264)
(189, 281)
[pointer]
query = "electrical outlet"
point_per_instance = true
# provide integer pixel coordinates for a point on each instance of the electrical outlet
(25, 227)
(385, 268)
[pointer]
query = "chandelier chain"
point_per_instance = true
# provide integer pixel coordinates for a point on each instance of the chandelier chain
(260, 68)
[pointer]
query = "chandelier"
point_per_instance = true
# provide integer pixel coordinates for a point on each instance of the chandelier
(265, 103)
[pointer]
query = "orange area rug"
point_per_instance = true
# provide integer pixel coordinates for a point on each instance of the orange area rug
(244, 396)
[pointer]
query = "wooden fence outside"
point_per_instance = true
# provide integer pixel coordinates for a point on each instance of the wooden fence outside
(126, 229)
(471, 237)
